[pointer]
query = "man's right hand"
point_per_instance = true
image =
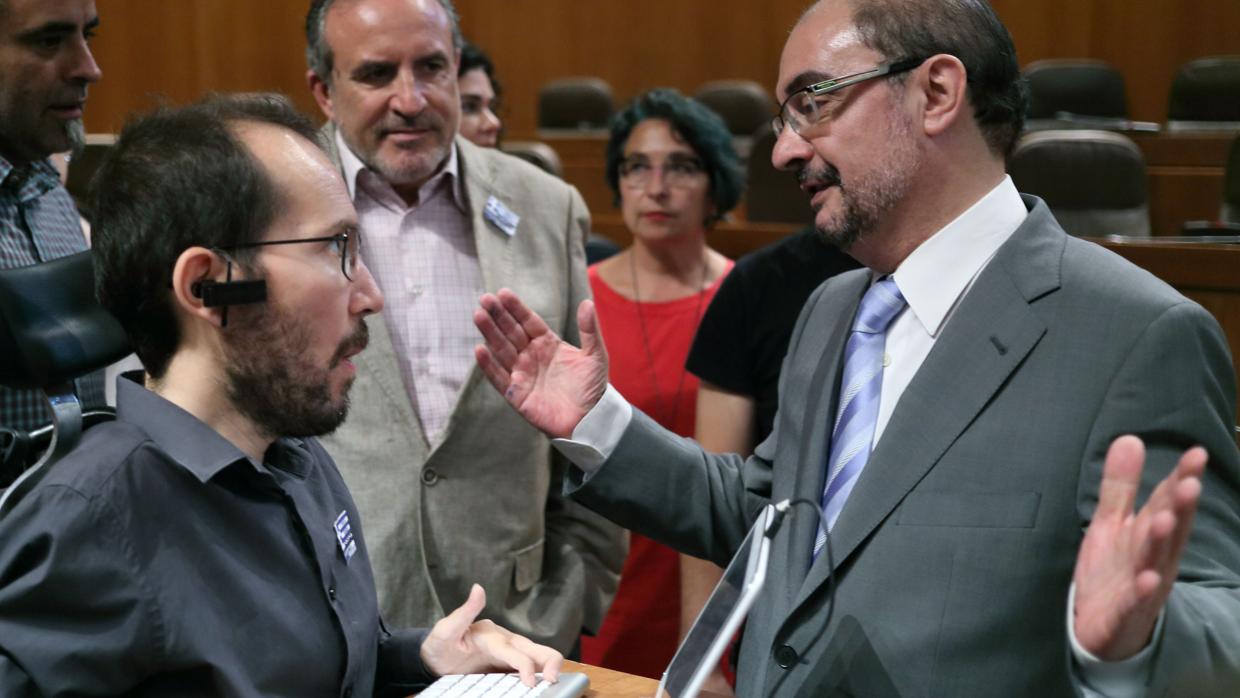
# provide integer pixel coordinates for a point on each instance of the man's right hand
(549, 381)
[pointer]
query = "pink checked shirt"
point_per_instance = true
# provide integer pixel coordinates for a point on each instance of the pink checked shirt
(425, 262)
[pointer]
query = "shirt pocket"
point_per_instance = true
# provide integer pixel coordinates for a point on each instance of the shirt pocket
(970, 509)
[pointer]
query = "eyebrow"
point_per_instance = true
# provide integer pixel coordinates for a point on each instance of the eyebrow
(58, 27)
(805, 79)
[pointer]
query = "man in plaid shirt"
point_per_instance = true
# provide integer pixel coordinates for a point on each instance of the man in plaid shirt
(45, 69)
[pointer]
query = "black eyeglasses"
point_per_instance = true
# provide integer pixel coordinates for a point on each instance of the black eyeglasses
(679, 171)
(803, 108)
(348, 246)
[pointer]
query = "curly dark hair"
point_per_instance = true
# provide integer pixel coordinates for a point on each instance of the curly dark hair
(701, 128)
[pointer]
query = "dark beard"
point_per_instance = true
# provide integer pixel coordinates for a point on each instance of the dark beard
(270, 381)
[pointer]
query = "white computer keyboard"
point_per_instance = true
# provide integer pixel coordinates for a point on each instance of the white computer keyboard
(569, 685)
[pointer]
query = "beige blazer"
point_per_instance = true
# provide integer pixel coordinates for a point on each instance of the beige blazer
(485, 504)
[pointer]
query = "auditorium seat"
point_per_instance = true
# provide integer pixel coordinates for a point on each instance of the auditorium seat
(536, 153)
(744, 104)
(1082, 87)
(773, 196)
(1093, 181)
(1206, 95)
(581, 103)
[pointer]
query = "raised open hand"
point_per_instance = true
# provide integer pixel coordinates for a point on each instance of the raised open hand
(549, 381)
(1129, 560)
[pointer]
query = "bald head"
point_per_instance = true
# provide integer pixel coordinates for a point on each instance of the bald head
(966, 29)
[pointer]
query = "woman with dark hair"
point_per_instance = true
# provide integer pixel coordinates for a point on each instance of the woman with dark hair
(480, 93)
(674, 172)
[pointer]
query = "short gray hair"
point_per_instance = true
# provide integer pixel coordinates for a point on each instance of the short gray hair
(319, 55)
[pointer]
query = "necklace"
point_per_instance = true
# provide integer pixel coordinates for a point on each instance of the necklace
(641, 322)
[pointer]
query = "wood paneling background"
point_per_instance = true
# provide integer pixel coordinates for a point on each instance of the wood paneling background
(178, 50)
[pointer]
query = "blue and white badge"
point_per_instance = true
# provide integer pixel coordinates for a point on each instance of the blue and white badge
(344, 534)
(501, 216)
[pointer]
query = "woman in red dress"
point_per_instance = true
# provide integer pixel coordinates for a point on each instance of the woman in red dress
(671, 164)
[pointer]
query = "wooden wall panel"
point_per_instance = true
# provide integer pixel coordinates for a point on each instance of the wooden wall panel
(183, 48)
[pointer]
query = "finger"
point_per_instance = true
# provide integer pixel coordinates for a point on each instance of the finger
(587, 329)
(545, 658)
(508, 655)
(496, 340)
(530, 322)
(492, 369)
(456, 623)
(1121, 477)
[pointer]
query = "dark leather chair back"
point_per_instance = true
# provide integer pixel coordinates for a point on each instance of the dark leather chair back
(1206, 95)
(743, 104)
(1093, 181)
(536, 153)
(580, 103)
(1080, 87)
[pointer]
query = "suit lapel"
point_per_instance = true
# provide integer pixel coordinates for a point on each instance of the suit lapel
(990, 334)
(380, 365)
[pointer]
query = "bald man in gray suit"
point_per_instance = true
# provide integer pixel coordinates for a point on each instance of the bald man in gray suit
(963, 411)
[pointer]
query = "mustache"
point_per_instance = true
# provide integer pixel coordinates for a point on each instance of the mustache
(425, 120)
(352, 344)
(825, 176)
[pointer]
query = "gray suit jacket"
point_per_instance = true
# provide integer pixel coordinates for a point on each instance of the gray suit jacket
(485, 504)
(954, 554)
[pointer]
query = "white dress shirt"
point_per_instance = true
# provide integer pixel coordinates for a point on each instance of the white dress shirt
(933, 279)
(424, 259)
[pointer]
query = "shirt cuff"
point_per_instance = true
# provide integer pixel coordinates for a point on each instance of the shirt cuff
(597, 434)
(1102, 679)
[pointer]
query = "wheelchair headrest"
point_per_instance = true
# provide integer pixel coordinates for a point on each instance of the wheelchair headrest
(52, 329)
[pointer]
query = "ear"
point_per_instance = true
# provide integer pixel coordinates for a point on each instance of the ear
(944, 84)
(322, 93)
(195, 265)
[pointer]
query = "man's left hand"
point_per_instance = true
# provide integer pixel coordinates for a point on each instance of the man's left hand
(1129, 561)
(460, 645)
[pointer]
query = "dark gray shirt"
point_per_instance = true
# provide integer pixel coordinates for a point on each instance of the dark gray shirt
(158, 560)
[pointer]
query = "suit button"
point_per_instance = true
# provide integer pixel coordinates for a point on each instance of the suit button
(429, 476)
(331, 593)
(785, 656)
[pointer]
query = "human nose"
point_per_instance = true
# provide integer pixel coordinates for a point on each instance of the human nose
(656, 182)
(490, 122)
(407, 97)
(82, 66)
(791, 150)
(365, 298)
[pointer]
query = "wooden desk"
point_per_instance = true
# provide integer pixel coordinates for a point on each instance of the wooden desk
(605, 683)
(1185, 176)
(1184, 172)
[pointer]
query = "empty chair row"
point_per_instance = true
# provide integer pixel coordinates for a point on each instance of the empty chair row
(1204, 94)
(586, 103)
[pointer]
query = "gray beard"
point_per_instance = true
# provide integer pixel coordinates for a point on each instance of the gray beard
(76, 131)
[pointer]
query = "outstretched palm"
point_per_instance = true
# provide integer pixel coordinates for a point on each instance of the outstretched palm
(549, 381)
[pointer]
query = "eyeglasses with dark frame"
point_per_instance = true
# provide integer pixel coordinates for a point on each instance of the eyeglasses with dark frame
(678, 171)
(801, 110)
(349, 244)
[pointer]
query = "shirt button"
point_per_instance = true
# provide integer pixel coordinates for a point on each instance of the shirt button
(331, 593)
(429, 476)
(785, 656)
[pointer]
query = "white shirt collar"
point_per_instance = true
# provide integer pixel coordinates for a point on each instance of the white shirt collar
(935, 276)
(353, 168)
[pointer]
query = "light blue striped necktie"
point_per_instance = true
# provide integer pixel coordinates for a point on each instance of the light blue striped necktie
(861, 387)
